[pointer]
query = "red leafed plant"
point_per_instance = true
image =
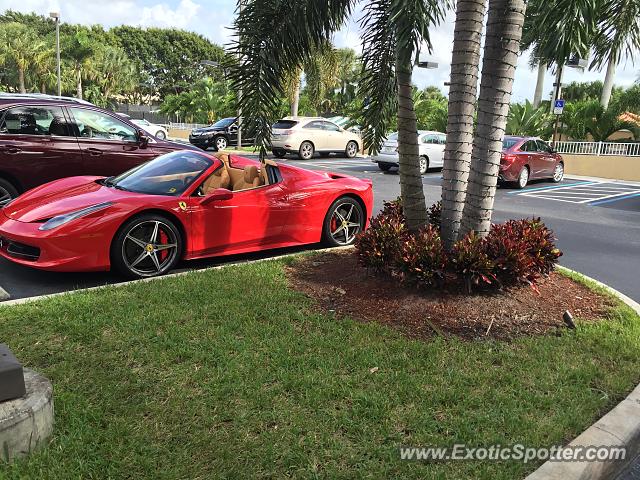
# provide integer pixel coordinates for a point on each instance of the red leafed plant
(470, 261)
(423, 259)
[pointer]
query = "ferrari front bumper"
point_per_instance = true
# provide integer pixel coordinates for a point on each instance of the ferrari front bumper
(75, 251)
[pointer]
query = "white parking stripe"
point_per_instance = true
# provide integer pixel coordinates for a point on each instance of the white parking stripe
(4, 295)
(584, 193)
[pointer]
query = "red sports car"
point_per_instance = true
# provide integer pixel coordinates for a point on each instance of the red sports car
(182, 205)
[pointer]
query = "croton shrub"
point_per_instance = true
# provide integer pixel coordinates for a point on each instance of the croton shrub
(514, 253)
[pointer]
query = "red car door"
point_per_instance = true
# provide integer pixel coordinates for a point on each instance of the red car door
(532, 158)
(37, 145)
(548, 159)
(250, 219)
(109, 145)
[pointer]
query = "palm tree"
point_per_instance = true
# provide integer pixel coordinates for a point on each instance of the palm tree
(526, 120)
(559, 29)
(502, 45)
(618, 37)
(20, 48)
(590, 118)
(530, 41)
(80, 50)
(273, 35)
(465, 63)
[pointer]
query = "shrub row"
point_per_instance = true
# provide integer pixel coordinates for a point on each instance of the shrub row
(514, 253)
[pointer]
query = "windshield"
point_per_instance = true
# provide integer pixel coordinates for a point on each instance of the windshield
(507, 143)
(224, 123)
(169, 174)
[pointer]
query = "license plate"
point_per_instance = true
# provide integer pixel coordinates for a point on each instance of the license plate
(388, 150)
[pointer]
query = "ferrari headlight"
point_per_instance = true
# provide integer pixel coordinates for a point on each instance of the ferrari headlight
(68, 217)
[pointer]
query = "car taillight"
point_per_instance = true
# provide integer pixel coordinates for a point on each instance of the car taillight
(507, 159)
(287, 132)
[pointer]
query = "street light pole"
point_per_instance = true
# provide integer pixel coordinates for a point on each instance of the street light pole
(239, 145)
(56, 17)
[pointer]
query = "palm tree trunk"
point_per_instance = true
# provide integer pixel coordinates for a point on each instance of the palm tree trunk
(542, 71)
(411, 189)
(23, 88)
(296, 100)
(79, 85)
(465, 63)
(504, 31)
(607, 88)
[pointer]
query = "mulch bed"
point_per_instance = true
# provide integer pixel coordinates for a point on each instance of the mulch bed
(339, 284)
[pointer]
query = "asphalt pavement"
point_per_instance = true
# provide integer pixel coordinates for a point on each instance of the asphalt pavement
(597, 224)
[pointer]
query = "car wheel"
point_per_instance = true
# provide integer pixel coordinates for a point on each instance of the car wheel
(221, 143)
(7, 192)
(161, 135)
(344, 220)
(306, 150)
(523, 178)
(385, 167)
(352, 149)
(424, 165)
(558, 173)
(146, 246)
(279, 153)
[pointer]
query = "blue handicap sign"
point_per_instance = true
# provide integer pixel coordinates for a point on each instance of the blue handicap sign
(559, 104)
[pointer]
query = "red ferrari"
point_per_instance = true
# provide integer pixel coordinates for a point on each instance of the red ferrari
(182, 205)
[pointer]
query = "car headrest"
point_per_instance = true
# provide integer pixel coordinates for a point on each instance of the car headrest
(251, 175)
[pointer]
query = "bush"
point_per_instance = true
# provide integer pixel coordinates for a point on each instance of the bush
(470, 261)
(423, 259)
(380, 245)
(515, 252)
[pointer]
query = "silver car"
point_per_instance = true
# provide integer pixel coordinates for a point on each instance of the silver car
(431, 146)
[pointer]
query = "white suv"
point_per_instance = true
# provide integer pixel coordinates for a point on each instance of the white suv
(307, 135)
(431, 146)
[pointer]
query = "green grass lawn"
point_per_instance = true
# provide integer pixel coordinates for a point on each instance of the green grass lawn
(231, 374)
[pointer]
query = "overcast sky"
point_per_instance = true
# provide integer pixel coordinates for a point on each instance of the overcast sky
(212, 18)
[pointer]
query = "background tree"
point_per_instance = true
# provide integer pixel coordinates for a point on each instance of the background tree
(526, 120)
(20, 49)
(617, 38)
(79, 50)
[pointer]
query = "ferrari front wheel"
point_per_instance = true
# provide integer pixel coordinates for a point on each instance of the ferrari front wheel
(146, 246)
(344, 220)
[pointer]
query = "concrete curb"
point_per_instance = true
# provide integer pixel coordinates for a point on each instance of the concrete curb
(618, 428)
(21, 301)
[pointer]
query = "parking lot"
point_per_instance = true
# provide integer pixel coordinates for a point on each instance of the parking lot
(593, 220)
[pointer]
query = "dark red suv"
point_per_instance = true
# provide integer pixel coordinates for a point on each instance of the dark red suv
(529, 158)
(43, 138)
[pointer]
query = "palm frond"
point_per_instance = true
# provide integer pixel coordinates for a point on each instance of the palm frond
(618, 33)
(270, 37)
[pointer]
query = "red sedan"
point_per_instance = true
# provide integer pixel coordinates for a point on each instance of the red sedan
(527, 158)
(182, 205)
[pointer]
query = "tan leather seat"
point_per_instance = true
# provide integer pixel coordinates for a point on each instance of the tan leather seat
(251, 179)
(218, 179)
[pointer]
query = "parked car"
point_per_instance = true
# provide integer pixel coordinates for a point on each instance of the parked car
(305, 136)
(44, 138)
(529, 158)
(220, 135)
(182, 205)
(431, 146)
(156, 130)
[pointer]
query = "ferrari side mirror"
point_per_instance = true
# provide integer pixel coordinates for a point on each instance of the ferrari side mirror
(217, 195)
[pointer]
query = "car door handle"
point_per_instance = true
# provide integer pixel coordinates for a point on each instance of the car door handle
(12, 150)
(94, 151)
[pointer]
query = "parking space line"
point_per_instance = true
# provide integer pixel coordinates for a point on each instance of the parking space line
(554, 187)
(4, 295)
(559, 199)
(611, 200)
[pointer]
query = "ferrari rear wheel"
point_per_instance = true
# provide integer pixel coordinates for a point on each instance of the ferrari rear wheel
(345, 219)
(146, 246)
(7, 192)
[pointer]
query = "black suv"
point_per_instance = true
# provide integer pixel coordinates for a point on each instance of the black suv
(220, 135)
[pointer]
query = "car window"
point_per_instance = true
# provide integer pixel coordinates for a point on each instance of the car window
(529, 146)
(224, 123)
(432, 139)
(169, 174)
(543, 147)
(284, 124)
(95, 124)
(507, 143)
(332, 127)
(317, 125)
(36, 120)
(442, 139)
